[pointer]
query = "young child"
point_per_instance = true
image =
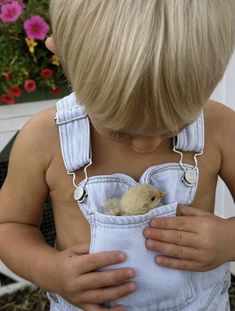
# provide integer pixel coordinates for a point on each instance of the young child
(142, 74)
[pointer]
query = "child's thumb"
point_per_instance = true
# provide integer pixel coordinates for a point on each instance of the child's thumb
(81, 249)
(187, 210)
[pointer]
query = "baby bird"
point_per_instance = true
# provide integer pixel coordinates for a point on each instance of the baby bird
(138, 200)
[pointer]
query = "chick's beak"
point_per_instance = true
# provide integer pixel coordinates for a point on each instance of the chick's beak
(162, 193)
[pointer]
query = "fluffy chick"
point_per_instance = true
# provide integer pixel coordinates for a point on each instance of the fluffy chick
(138, 200)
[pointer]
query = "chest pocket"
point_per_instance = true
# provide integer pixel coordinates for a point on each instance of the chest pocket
(158, 288)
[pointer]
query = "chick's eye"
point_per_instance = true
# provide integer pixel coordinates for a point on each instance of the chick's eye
(153, 198)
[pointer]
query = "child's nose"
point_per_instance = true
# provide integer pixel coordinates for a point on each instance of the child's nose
(143, 144)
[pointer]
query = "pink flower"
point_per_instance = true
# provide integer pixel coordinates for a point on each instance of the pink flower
(36, 27)
(11, 12)
(21, 3)
(2, 2)
(30, 85)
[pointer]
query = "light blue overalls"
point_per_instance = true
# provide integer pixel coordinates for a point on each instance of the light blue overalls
(158, 288)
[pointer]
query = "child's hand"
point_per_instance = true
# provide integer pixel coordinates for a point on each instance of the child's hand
(78, 282)
(194, 240)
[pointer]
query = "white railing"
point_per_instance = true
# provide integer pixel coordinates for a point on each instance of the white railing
(13, 117)
(16, 284)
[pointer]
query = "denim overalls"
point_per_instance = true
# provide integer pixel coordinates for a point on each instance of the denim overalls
(158, 288)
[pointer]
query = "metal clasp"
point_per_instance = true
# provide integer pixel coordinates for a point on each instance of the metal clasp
(190, 176)
(80, 193)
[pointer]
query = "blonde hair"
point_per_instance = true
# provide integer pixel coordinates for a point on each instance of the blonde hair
(153, 60)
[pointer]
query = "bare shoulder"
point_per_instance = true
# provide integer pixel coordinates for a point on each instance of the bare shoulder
(220, 122)
(38, 136)
(217, 112)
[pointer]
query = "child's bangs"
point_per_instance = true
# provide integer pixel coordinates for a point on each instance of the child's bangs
(142, 118)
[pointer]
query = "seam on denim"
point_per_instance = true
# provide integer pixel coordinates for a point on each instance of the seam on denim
(123, 223)
(216, 289)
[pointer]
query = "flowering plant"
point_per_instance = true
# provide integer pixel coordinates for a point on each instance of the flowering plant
(25, 62)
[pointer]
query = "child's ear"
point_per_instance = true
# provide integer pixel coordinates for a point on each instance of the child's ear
(50, 44)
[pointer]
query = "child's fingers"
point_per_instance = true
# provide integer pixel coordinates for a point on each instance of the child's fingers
(103, 295)
(119, 308)
(95, 261)
(95, 307)
(172, 236)
(175, 251)
(96, 280)
(179, 264)
(80, 249)
(181, 223)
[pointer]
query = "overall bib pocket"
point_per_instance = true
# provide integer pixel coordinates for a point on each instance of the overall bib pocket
(158, 288)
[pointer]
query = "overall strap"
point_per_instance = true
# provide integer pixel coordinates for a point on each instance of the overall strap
(74, 131)
(192, 137)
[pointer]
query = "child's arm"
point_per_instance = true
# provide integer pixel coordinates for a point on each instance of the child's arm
(196, 240)
(22, 247)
